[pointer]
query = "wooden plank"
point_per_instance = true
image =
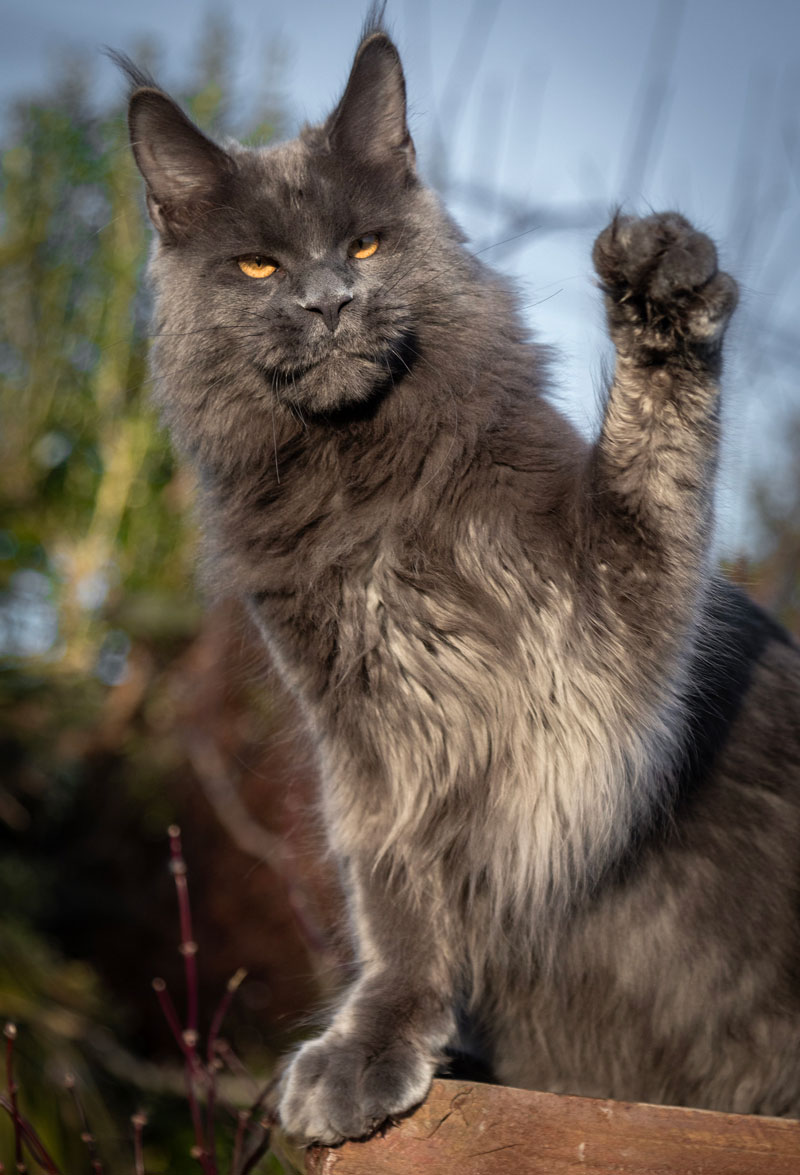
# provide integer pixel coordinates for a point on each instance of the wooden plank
(468, 1129)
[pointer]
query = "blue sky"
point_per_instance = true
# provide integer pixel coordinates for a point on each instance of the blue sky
(541, 103)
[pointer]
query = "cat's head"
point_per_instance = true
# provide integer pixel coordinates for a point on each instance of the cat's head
(300, 273)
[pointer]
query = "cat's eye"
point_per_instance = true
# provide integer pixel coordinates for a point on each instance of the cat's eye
(254, 265)
(363, 247)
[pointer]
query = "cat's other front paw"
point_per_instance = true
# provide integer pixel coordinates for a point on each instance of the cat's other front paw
(339, 1088)
(663, 288)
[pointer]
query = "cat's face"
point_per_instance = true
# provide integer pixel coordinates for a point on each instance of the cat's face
(302, 270)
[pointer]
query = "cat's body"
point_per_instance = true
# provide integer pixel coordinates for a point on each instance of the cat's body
(560, 759)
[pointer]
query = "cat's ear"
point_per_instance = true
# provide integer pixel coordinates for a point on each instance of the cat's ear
(184, 171)
(370, 121)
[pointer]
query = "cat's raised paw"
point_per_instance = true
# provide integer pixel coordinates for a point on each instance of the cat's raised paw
(339, 1088)
(662, 284)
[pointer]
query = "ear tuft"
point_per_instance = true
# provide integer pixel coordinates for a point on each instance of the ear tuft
(373, 21)
(138, 79)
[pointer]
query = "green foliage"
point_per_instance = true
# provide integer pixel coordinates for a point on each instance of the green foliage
(96, 598)
(90, 500)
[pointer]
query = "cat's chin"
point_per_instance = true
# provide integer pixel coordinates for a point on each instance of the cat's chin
(341, 382)
(332, 387)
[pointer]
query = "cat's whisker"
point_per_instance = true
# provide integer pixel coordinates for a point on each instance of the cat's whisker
(399, 357)
(396, 246)
(541, 301)
(460, 261)
(275, 440)
(507, 240)
(412, 259)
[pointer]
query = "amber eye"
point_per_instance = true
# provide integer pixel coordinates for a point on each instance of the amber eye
(364, 247)
(256, 266)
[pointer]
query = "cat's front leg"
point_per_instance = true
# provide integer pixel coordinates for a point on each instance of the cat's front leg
(647, 501)
(377, 1058)
(668, 306)
(374, 1063)
(645, 507)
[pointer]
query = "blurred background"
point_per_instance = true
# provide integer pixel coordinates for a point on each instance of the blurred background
(127, 703)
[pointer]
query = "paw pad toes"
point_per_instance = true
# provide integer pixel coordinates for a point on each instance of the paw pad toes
(661, 277)
(713, 307)
(685, 266)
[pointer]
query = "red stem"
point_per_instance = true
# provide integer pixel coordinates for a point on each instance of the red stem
(207, 1161)
(35, 1145)
(86, 1135)
(193, 1069)
(258, 1151)
(187, 1038)
(10, 1033)
(171, 1017)
(139, 1122)
(232, 986)
(244, 1118)
(211, 1058)
(188, 946)
(224, 1050)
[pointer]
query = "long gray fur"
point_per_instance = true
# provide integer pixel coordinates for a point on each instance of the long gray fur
(560, 758)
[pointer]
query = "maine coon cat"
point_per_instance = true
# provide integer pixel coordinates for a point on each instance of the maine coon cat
(560, 757)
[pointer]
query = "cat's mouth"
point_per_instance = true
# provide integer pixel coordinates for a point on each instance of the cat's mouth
(344, 374)
(394, 358)
(289, 375)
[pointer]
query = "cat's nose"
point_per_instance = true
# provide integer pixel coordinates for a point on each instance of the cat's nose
(329, 307)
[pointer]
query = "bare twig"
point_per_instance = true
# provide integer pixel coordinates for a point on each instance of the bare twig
(86, 1134)
(236, 1065)
(40, 1154)
(171, 1017)
(139, 1122)
(201, 1079)
(192, 1070)
(10, 1033)
(187, 1038)
(212, 1061)
(188, 946)
(244, 1120)
(260, 1148)
(652, 102)
(210, 769)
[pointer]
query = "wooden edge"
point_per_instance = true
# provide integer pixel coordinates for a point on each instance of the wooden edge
(468, 1129)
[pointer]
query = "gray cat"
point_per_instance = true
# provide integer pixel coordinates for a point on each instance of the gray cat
(560, 757)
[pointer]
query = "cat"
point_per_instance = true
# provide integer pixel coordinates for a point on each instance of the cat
(560, 756)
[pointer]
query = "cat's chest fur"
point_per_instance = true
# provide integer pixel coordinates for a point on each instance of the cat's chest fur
(434, 662)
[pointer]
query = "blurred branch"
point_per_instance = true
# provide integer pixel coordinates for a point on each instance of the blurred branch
(651, 104)
(520, 216)
(251, 837)
(255, 840)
